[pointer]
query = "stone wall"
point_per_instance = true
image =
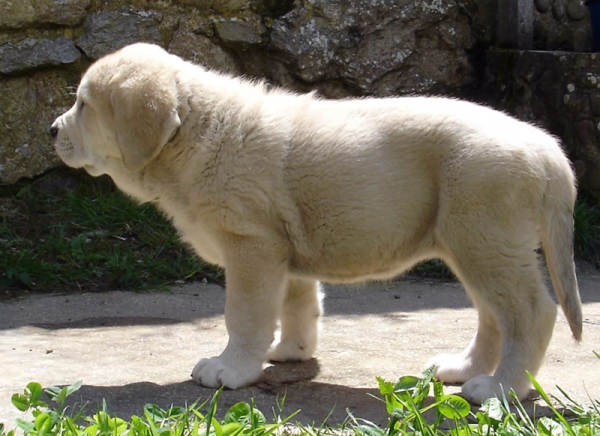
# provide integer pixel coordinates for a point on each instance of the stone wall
(338, 47)
(562, 25)
(559, 91)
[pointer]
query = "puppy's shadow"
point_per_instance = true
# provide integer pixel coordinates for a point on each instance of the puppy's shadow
(280, 374)
(284, 389)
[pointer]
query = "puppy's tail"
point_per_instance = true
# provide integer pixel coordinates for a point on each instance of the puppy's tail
(557, 229)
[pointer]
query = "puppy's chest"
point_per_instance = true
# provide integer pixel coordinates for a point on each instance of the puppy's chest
(196, 230)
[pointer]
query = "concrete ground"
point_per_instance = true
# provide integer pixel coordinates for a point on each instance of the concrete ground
(131, 349)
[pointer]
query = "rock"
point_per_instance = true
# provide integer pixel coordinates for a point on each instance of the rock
(33, 53)
(244, 32)
(100, 31)
(563, 30)
(581, 40)
(576, 10)
(379, 47)
(272, 8)
(29, 105)
(339, 48)
(558, 9)
(229, 6)
(542, 6)
(200, 49)
(15, 14)
(595, 102)
(570, 113)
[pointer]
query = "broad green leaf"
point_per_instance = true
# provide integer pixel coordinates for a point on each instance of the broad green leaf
(407, 382)
(217, 429)
(239, 412)
(36, 391)
(91, 430)
(243, 413)
(20, 401)
(549, 427)
(155, 412)
(26, 426)
(62, 395)
(43, 423)
(74, 387)
(231, 428)
(53, 392)
(454, 407)
(385, 387)
(492, 407)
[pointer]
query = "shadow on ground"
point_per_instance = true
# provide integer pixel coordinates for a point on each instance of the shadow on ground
(279, 393)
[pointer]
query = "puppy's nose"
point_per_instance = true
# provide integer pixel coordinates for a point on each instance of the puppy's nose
(54, 131)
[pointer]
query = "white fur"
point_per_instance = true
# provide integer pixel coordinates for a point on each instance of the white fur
(284, 190)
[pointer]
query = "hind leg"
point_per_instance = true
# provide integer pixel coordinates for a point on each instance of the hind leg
(299, 322)
(481, 356)
(527, 328)
(506, 286)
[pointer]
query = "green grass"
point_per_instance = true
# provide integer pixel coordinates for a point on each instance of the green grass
(67, 231)
(587, 231)
(415, 406)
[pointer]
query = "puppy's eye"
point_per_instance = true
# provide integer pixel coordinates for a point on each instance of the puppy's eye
(81, 105)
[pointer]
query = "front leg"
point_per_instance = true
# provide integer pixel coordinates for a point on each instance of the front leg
(256, 274)
(299, 322)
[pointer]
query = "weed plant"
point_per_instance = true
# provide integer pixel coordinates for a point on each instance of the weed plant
(411, 411)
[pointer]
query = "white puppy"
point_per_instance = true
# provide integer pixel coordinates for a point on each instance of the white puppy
(283, 190)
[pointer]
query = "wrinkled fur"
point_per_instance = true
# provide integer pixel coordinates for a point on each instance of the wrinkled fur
(286, 190)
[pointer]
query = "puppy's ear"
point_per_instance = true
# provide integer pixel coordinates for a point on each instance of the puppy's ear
(145, 118)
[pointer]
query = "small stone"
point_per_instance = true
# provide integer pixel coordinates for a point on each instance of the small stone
(576, 11)
(581, 41)
(558, 9)
(595, 104)
(542, 5)
(240, 32)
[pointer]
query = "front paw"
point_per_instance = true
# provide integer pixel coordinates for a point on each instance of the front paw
(219, 371)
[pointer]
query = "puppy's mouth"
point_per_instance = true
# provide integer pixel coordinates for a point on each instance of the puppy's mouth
(64, 147)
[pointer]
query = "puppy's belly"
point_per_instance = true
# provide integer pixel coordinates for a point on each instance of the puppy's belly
(357, 266)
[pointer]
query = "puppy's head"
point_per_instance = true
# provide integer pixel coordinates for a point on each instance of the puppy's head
(125, 112)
